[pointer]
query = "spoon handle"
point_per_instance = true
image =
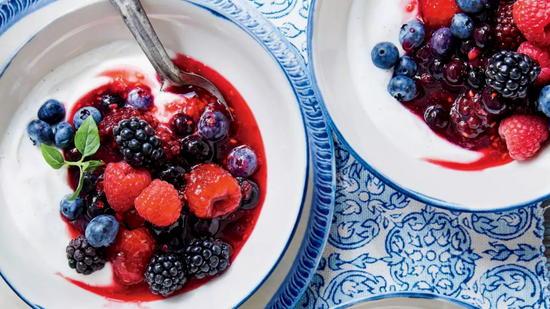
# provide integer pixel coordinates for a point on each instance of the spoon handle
(140, 26)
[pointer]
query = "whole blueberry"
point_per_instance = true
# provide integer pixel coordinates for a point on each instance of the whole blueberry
(544, 101)
(442, 42)
(40, 132)
(242, 161)
(102, 231)
(462, 26)
(402, 88)
(63, 134)
(71, 209)
(213, 125)
(412, 35)
(183, 125)
(84, 113)
(140, 99)
(51, 112)
(436, 117)
(472, 6)
(406, 66)
(384, 55)
(195, 149)
(483, 35)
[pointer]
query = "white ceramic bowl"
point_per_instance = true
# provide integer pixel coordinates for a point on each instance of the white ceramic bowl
(42, 61)
(390, 140)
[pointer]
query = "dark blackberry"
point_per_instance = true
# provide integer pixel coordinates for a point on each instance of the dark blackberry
(138, 143)
(173, 174)
(84, 258)
(165, 273)
(508, 36)
(511, 74)
(206, 257)
(109, 101)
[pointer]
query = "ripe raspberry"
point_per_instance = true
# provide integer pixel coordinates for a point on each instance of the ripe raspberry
(507, 33)
(532, 18)
(438, 13)
(524, 135)
(212, 192)
(159, 203)
(132, 252)
(469, 116)
(123, 184)
(542, 57)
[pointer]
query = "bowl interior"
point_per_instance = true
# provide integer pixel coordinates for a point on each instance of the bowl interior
(87, 35)
(390, 139)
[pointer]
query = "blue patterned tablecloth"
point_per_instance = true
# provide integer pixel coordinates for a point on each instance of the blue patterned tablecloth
(381, 242)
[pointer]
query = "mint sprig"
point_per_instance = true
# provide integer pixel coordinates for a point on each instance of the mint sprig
(87, 143)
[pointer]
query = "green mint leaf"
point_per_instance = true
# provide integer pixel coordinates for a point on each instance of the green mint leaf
(52, 156)
(87, 137)
(79, 188)
(91, 166)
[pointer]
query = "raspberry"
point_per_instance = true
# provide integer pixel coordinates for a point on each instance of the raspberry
(132, 252)
(469, 116)
(212, 192)
(170, 145)
(438, 13)
(524, 135)
(123, 184)
(159, 203)
(542, 57)
(507, 33)
(532, 18)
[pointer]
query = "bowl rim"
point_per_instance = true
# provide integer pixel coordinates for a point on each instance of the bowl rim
(320, 160)
(394, 185)
(415, 295)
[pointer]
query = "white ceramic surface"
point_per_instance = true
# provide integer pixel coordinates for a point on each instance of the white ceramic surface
(384, 134)
(52, 65)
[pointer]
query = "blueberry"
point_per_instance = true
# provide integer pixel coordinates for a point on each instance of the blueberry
(183, 125)
(406, 66)
(483, 35)
(402, 88)
(83, 113)
(251, 193)
(63, 134)
(472, 6)
(71, 209)
(108, 100)
(544, 101)
(102, 231)
(51, 112)
(442, 42)
(384, 55)
(462, 26)
(195, 149)
(40, 132)
(140, 99)
(412, 35)
(242, 161)
(436, 117)
(213, 125)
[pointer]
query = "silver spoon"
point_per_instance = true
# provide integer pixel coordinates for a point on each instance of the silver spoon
(140, 26)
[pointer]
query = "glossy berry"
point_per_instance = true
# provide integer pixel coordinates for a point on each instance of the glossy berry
(183, 125)
(438, 13)
(51, 112)
(63, 135)
(96, 204)
(71, 209)
(406, 66)
(524, 135)
(242, 161)
(412, 35)
(84, 258)
(442, 42)
(507, 34)
(402, 88)
(384, 55)
(195, 149)
(213, 126)
(108, 101)
(475, 77)
(123, 184)
(462, 26)
(207, 257)
(89, 181)
(468, 116)
(531, 17)
(493, 103)
(544, 101)
(204, 227)
(172, 174)
(138, 143)
(542, 57)
(171, 237)
(131, 254)
(454, 73)
(472, 6)
(165, 273)
(436, 117)
(102, 231)
(140, 99)
(159, 203)
(84, 113)
(511, 74)
(483, 35)
(40, 132)
(251, 193)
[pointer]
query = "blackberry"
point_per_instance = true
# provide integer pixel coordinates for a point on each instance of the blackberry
(469, 116)
(84, 258)
(107, 101)
(508, 36)
(173, 174)
(206, 257)
(165, 273)
(511, 74)
(138, 143)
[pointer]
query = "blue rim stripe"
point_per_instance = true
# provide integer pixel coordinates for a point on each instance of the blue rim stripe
(406, 191)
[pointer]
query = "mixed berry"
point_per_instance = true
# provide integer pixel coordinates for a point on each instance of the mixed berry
(169, 203)
(477, 72)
